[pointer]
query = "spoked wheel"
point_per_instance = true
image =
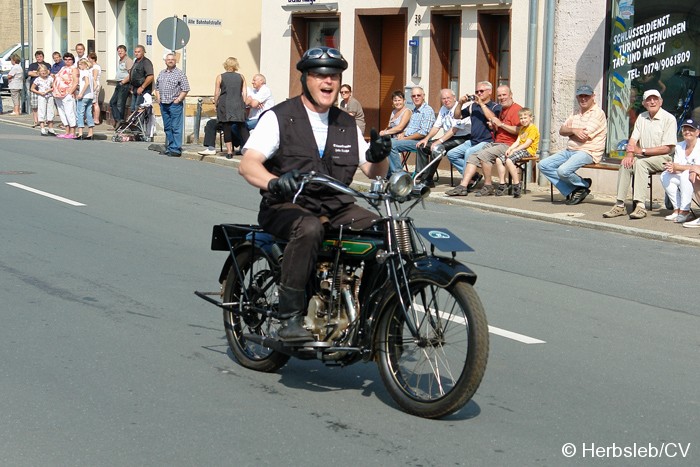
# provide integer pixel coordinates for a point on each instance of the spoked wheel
(437, 373)
(259, 281)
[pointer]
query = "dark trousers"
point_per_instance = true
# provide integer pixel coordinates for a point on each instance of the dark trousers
(423, 153)
(117, 103)
(304, 231)
(234, 133)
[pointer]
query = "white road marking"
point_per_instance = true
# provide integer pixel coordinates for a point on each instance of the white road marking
(43, 193)
(515, 336)
(492, 329)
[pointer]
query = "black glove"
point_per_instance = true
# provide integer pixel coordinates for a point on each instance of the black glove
(379, 147)
(286, 185)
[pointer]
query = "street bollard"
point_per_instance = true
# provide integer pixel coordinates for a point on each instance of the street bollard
(197, 120)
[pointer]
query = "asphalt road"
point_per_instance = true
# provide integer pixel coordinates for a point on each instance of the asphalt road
(107, 358)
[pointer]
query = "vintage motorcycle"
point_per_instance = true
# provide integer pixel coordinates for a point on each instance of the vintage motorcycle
(378, 294)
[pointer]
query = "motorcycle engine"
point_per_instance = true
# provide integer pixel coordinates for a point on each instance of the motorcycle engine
(335, 306)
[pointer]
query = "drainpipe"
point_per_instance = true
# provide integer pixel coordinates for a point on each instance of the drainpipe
(546, 106)
(531, 56)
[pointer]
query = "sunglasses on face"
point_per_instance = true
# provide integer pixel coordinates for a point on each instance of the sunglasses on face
(318, 52)
(416, 95)
(480, 91)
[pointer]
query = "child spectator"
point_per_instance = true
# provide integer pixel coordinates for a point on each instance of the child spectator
(43, 89)
(524, 146)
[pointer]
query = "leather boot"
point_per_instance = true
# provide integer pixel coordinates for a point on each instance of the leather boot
(291, 311)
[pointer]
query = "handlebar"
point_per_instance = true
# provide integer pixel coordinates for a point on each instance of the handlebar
(399, 187)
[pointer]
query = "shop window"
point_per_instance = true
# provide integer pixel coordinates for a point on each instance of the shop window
(653, 45)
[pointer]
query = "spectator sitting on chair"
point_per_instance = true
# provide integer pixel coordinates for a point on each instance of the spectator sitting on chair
(525, 146)
(352, 106)
(676, 179)
(652, 142)
(259, 100)
(465, 158)
(505, 128)
(399, 116)
(587, 129)
(418, 127)
(455, 132)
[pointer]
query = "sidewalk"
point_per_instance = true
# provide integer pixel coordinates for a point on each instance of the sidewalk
(534, 204)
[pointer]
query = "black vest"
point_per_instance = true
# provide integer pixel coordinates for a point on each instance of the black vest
(298, 150)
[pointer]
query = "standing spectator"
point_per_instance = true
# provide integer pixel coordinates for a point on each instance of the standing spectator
(505, 127)
(117, 103)
(80, 53)
(171, 88)
(57, 63)
(96, 71)
(587, 129)
(525, 146)
(465, 157)
(455, 132)
(400, 115)
(64, 86)
(42, 88)
(230, 94)
(140, 77)
(418, 127)
(676, 179)
(652, 142)
(33, 72)
(15, 79)
(352, 106)
(86, 94)
(259, 100)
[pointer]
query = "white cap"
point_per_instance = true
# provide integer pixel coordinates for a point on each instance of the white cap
(651, 92)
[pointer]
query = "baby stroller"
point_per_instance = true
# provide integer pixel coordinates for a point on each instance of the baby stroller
(139, 126)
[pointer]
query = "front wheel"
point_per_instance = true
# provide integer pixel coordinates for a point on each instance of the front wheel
(258, 282)
(438, 372)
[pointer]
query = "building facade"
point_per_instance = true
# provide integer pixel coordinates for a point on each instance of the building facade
(217, 30)
(543, 49)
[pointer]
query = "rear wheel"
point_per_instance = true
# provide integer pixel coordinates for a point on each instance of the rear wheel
(258, 279)
(437, 373)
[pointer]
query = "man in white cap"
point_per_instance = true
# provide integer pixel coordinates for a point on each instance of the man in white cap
(651, 145)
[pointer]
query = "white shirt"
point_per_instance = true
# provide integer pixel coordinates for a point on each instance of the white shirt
(264, 96)
(266, 136)
(692, 159)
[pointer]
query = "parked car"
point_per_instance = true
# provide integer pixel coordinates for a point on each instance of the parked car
(6, 64)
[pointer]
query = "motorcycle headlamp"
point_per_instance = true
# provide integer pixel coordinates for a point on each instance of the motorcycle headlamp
(400, 184)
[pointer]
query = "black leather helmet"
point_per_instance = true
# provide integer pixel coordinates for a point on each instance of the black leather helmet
(322, 60)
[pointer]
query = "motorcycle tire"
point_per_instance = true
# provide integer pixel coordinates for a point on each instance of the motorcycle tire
(437, 374)
(261, 283)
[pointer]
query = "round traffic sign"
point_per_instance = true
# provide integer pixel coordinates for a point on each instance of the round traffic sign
(173, 33)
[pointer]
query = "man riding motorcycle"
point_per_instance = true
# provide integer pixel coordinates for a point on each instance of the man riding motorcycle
(303, 134)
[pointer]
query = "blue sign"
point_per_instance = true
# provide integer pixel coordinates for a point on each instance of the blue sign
(413, 43)
(149, 39)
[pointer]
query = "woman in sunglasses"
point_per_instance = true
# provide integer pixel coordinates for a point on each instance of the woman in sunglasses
(303, 134)
(352, 106)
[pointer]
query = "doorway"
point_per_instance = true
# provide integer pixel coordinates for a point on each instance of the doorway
(379, 63)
